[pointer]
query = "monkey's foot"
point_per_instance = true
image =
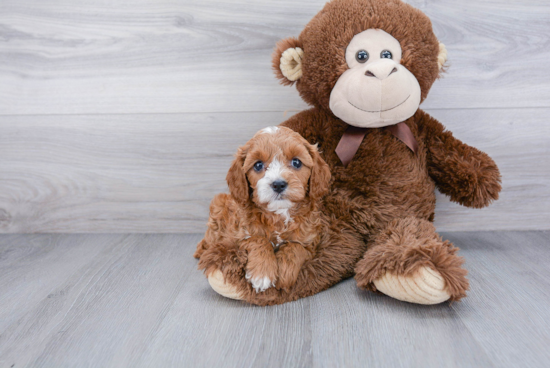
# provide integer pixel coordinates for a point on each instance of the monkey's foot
(409, 261)
(218, 284)
(426, 286)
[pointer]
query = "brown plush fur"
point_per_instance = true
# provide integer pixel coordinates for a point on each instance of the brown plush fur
(379, 210)
(326, 36)
(403, 247)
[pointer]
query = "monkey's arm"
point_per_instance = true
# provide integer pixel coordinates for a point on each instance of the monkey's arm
(467, 175)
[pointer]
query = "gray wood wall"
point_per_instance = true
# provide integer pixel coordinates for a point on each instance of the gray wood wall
(122, 116)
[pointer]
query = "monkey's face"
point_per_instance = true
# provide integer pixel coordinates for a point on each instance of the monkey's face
(368, 62)
(376, 90)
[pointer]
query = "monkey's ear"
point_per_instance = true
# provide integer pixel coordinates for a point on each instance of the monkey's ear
(287, 60)
(442, 56)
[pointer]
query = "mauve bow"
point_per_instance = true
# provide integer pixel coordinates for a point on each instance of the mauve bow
(353, 136)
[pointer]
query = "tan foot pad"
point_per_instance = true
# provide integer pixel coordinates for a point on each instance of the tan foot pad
(219, 285)
(425, 287)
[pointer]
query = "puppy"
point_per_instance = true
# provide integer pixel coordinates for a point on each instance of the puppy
(272, 212)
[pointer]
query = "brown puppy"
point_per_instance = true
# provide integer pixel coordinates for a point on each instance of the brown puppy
(272, 214)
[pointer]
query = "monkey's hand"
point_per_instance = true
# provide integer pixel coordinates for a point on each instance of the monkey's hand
(467, 175)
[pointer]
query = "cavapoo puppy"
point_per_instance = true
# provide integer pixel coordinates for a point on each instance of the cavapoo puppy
(271, 215)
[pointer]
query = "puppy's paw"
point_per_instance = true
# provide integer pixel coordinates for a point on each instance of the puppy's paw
(261, 272)
(260, 283)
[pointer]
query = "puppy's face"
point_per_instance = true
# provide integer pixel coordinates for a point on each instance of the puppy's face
(278, 168)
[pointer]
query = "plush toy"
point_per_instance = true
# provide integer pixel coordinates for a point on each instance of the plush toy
(365, 66)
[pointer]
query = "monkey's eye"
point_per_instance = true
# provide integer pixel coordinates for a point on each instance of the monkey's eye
(258, 166)
(385, 54)
(296, 163)
(362, 56)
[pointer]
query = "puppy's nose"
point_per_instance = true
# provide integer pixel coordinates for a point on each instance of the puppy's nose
(279, 186)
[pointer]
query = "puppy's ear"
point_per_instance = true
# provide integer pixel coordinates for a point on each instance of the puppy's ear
(320, 174)
(287, 60)
(236, 178)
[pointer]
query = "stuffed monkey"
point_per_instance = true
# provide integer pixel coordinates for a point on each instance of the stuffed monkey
(365, 66)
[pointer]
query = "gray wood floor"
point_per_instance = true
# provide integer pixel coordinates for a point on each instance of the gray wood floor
(137, 300)
(123, 118)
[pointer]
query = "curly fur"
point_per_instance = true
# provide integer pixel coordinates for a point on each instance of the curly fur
(244, 229)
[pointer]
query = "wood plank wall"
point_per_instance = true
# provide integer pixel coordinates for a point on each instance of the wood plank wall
(122, 116)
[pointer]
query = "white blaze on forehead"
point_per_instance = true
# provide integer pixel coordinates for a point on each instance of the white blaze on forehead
(270, 130)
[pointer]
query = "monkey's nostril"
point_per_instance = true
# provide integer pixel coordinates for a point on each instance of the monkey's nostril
(394, 70)
(279, 186)
(368, 73)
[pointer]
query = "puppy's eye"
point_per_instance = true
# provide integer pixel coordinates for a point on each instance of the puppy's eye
(386, 55)
(362, 56)
(296, 163)
(258, 166)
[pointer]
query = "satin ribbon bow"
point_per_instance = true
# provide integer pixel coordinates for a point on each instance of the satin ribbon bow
(353, 136)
